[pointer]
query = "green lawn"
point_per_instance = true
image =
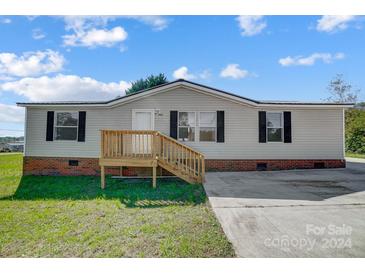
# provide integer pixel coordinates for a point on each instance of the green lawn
(72, 217)
(355, 155)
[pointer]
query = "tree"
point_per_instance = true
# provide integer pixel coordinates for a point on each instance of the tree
(361, 104)
(149, 82)
(341, 91)
(355, 130)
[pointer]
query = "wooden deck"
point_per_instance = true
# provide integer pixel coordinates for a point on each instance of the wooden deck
(149, 148)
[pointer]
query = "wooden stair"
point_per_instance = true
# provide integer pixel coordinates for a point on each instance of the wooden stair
(148, 148)
(179, 172)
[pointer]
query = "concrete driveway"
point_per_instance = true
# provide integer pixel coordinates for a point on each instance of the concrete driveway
(297, 213)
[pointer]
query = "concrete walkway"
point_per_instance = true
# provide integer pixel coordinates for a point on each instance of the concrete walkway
(297, 213)
(355, 160)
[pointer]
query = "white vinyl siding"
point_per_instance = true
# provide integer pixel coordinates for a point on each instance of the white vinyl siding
(316, 133)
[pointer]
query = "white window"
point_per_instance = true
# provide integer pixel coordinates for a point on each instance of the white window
(66, 124)
(207, 126)
(186, 126)
(274, 126)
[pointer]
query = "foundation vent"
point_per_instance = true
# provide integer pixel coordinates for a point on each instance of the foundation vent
(73, 162)
(261, 166)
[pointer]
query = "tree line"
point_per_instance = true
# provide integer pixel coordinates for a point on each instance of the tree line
(343, 92)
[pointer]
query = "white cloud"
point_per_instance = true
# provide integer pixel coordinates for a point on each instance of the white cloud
(6, 78)
(234, 71)
(38, 34)
(183, 73)
(11, 114)
(96, 37)
(87, 22)
(30, 63)
(82, 23)
(5, 20)
(311, 59)
(31, 17)
(155, 21)
(10, 132)
(205, 74)
(65, 88)
(333, 23)
(251, 25)
(91, 31)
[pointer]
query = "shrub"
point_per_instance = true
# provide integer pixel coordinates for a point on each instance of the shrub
(355, 131)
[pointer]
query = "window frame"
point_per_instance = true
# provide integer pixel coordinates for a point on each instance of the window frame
(197, 126)
(56, 126)
(282, 126)
(178, 126)
(215, 126)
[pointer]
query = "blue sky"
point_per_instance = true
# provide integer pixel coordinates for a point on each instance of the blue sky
(269, 57)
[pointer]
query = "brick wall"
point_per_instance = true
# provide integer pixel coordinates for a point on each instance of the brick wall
(60, 166)
(249, 165)
(90, 166)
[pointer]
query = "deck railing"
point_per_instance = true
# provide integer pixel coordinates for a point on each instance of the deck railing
(128, 143)
(181, 156)
(144, 144)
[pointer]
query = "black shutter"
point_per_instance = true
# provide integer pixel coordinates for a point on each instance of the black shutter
(173, 124)
(50, 121)
(82, 124)
(220, 126)
(287, 127)
(262, 126)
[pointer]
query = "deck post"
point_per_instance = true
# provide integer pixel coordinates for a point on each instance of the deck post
(203, 169)
(102, 175)
(121, 171)
(154, 176)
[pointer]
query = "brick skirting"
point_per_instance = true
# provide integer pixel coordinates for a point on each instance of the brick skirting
(250, 165)
(60, 166)
(90, 166)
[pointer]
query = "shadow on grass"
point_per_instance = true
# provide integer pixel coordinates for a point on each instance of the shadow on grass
(130, 192)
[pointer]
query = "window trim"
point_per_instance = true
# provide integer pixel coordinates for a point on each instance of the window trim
(215, 137)
(178, 126)
(56, 126)
(197, 126)
(282, 126)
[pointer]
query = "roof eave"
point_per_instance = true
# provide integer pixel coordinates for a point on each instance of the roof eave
(181, 82)
(306, 105)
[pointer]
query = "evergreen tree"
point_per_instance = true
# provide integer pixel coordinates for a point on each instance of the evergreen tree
(149, 82)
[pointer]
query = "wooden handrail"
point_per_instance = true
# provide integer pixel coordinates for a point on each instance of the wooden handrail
(180, 144)
(151, 144)
(128, 131)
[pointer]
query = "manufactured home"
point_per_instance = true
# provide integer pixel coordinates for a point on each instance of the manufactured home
(183, 128)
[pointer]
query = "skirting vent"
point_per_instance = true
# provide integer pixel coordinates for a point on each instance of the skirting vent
(261, 166)
(73, 162)
(319, 165)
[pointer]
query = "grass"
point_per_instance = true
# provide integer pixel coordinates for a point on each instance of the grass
(355, 155)
(72, 217)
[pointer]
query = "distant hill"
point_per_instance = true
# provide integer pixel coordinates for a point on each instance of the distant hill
(9, 139)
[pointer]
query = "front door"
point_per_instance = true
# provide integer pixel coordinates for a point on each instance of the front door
(142, 119)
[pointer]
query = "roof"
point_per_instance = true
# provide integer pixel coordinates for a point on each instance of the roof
(16, 144)
(182, 82)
